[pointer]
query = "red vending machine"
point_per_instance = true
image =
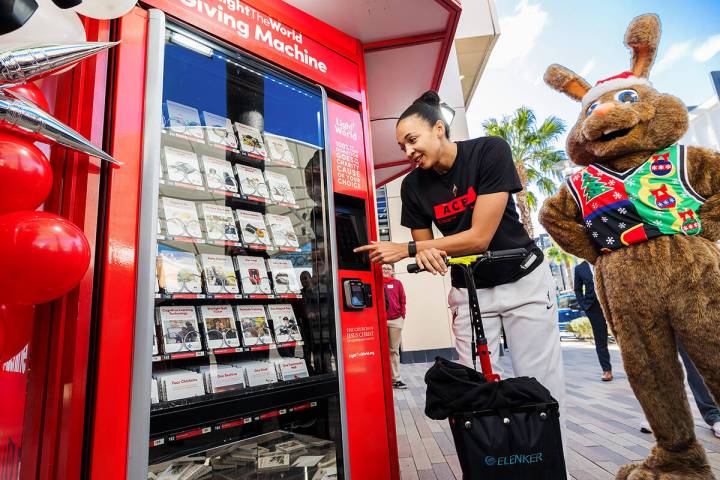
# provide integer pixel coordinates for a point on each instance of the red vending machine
(238, 334)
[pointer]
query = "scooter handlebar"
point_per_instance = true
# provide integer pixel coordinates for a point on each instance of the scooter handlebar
(415, 268)
(489, 256)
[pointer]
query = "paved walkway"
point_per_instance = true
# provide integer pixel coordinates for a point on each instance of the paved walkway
(603, 423)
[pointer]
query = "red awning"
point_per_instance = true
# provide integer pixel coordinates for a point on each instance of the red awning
(406, 45)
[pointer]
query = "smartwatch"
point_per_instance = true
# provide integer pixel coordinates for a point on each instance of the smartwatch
(412, 249)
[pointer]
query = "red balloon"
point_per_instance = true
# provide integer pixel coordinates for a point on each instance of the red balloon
(31, 92)
(28, 91)
(43, 257)
(25, 174)
(16, 323)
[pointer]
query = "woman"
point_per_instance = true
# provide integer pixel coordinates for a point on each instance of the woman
(465, 188)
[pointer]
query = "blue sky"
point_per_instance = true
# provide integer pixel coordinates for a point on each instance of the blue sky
(587, 37)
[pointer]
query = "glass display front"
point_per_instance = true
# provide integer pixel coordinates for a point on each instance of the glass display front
(244, 381)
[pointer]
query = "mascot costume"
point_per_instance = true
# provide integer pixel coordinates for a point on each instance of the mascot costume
(646, 212)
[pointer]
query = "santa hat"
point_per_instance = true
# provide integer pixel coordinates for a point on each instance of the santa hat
(624, 80)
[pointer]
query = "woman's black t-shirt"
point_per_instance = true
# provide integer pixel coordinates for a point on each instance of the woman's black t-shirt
(483, 165)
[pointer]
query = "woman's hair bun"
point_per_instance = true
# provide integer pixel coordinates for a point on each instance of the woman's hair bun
(429, 98)
(427, 107)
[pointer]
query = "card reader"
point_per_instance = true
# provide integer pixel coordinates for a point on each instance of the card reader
(356, 294)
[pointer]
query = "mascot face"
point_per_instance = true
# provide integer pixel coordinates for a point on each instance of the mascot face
(623, 114)
(620, 122)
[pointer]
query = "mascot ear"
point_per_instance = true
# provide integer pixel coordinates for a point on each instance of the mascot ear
(643, 37)
(566, 81)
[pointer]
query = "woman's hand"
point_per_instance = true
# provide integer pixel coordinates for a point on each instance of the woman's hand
(432, 260)
(384, 252)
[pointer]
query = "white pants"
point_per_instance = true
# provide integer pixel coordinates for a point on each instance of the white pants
(395, 339)
(527, 310)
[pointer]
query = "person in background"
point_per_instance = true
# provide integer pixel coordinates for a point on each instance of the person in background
(395, 301)
(704, 401)
(585, 294)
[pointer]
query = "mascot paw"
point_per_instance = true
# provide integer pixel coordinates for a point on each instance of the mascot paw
(635, 471)
(643, 472)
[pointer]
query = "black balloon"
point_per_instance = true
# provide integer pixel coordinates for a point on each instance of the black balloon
(67, 3)
(15, 13)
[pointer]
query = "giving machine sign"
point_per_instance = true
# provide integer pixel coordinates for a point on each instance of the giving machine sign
(264, 35)
(347, 150)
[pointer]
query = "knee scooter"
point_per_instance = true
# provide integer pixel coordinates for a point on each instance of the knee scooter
(503, 429)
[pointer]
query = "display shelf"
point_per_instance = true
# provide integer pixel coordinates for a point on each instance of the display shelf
(220, 408)
(293, 206)
(253, 159)
(223, 193)
(220, 148)
(261, 348)
(189, 434)
(199, 146)
(195, 440)
(260, 247)
(289, 249)
(273, 346)
(228, 296)
(180, 296)
(225, 243)
(176, 238)
(202, 146)
(182, 137)
(276, 164)
(217, 194)
(288, 296)
(258, 296)
(227, 351)
(198, 193)
(254, 247)
(184, 186)
(232, 155)
(225, 296)
(255, 198)
(178, 355)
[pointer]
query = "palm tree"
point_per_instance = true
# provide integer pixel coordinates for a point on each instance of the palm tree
(564, 259)
(533, 154)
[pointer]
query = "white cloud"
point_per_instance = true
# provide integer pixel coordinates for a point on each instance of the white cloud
(588, 68)
(709, 48)
(674, 53)
(518, 34)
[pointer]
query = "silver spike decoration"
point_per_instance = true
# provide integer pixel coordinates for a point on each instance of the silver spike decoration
(32, 119)
(25, 64)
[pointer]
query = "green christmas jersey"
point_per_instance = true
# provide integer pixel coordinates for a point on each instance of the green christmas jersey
(652, 199)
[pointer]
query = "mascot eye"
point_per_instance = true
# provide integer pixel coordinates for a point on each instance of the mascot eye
(627, 96)
(592, 107)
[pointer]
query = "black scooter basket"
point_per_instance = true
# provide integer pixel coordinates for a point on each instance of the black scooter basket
(503, 430)
(507, 430)
(522, 443)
